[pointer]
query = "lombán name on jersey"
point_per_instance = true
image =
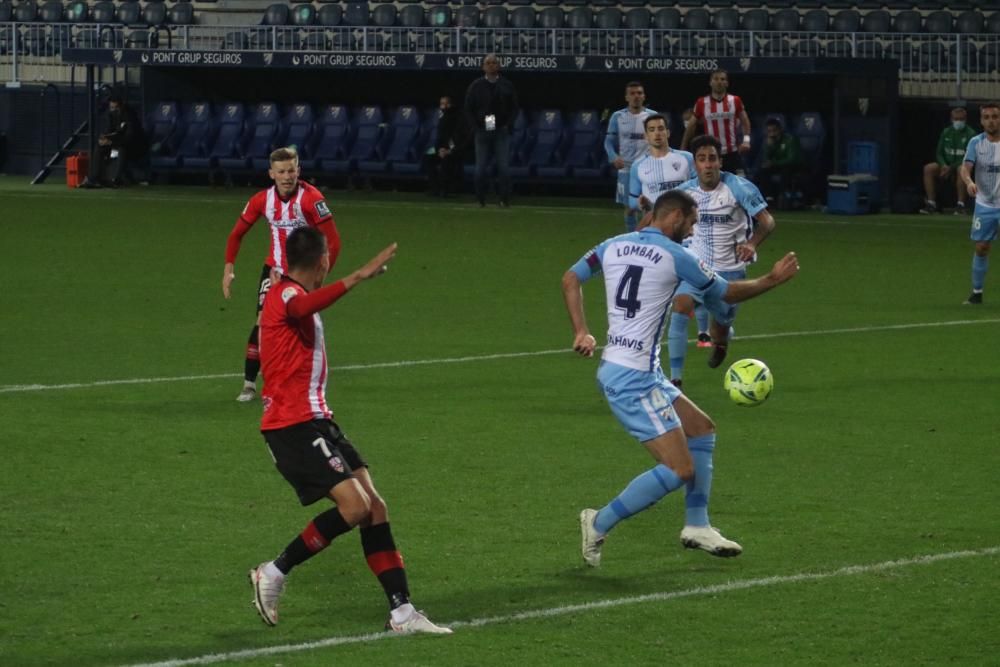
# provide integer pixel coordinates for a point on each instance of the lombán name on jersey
(644, 251)
(622, 341)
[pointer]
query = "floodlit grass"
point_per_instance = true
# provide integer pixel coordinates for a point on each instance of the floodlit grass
(130, 511)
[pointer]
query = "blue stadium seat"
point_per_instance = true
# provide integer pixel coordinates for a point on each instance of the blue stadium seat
(6, 11)
(811, 133)
(51, 12)
(584, 158)
(103, 12)
(196, 128)
(846, 20)
(970, 22)
(264, 127)
(939, 22)
(402, 149)
(545, 156)
(162, 129)
(333, 131)
(907, 21)
(756, 20)
(229, 121)
(366, 134)
(154, 14)
(182, 13)
(298, 130)
(129, 13)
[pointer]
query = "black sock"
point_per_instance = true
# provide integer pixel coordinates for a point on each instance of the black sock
(386, 563)
(316, 537)
(251, 366)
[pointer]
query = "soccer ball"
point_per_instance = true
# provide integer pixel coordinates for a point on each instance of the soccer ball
(748, 382)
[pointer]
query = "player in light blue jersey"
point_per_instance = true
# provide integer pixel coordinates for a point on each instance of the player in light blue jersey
(983, 156)
(733, 221)
(642, 270)
(626, 142)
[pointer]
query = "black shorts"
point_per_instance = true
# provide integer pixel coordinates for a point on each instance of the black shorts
(314, 457)
(733, 163)
(263, 286)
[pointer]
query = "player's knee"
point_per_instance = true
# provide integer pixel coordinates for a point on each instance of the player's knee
(684, 470)
(684, 305)
(355, 508)
(982, 249)
(379, 511)
(931, 169)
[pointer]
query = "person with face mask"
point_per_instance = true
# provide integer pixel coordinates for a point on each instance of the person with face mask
(950, 151)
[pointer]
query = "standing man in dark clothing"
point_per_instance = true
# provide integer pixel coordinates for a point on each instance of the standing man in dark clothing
(782, 167)
(491, 107)
(118, 147)
(444, 158)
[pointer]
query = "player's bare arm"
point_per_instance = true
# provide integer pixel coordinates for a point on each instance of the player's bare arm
(782, 271)
(228, 276)
(745, 144)
(689, 133)
(965, 173)
(583, 342)
(377, 265)
(763, 228)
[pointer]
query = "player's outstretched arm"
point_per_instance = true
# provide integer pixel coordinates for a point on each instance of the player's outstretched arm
(324, 297)
(583, 342)
(782, 271)
(377, 265)
(228, 276)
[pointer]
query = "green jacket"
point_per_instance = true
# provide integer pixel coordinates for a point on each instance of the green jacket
(785, 153)
(951, 145)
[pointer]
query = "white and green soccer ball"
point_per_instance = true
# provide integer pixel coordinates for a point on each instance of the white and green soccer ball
(748, 382)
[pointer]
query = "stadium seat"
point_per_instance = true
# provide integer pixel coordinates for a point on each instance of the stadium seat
(315, 40)
(868, 48)
(839, 48)
(940, 22)
(129, 13)
(229, 124)
(989, 58)
(367, 132)
(638, 18)
(355, 13)
(544, 158)
(495, 17)
(439, 16)
(668, 18)
(816, 20)
(726, 19)
(103, 12)
(182, 13)
(811, 133)
(384, 15)
(303, 15)
(931, 56)
(298, 130)
(993, 23)
(965, 55)
(467, 17)
(142, 39)
(401, 153)
(6, 11)
(846, 20)
(697, 19)
(970, 22)
(196, 128)
(756, 20)
(51, 12)
(264, 127)
(332, 138)
(809, 48)
(235, 41)
(276, 14)
(584, 157)
(876, 21)
(907, 21)
(161, 129)
(330, 15)
(785, 20)
(154, 14)
(26, 12)
(902, 52)
(776, 47)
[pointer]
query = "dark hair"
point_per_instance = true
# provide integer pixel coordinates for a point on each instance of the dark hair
(305, 247)
(705, 140)
(671, 200)
(773, 121)
(718, 71)
(989, 105)
(634, 84)
(655, 116)
(117, 98)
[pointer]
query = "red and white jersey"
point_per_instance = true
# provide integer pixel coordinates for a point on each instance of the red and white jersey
(292, 361)
(305, 206)
(719, 119)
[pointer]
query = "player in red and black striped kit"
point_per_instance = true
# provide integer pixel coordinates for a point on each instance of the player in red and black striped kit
(307, 446)
(721, 114)
(288, 204)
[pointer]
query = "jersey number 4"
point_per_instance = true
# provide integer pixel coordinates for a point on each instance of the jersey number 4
(627, 294)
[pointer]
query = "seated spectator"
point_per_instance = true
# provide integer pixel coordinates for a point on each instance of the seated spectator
(444, 160)
(780, 173)
(120, 147)
(948, 158)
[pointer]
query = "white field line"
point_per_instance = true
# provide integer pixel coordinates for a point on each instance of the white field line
(16, 388)
(718, 589)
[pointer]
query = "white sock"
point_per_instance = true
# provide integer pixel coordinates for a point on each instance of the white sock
(272, 570)
(402, 613)
(247, 384)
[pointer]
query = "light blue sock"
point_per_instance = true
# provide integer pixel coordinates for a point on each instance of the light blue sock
(631, 220)
(641, 492)
(700, 488)
(701, 314)
(979, 266)
(677, 343)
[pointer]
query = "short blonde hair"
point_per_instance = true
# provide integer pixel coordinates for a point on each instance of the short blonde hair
(284, 155)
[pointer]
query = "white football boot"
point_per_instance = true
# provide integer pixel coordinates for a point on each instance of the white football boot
(709, 539)
(417, 623)
(248, 393)
(266, 591)
(592, 540)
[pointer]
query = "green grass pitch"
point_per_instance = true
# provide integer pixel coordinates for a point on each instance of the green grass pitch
(136, 492)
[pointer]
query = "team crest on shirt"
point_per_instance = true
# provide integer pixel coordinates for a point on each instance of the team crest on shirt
(322, 210)
(336, 463)
(288, 293)
(709, 273)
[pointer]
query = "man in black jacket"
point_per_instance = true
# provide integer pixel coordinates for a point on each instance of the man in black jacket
(119, 147)
(490, 108)
(444, 158)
